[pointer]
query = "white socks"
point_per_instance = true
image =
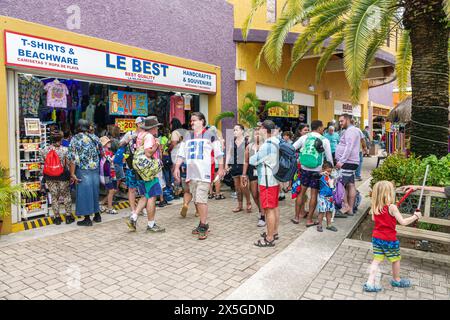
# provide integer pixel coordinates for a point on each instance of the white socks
(134, 216)
(151, 224)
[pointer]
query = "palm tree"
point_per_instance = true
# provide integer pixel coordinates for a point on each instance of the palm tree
(221, 116)
(363, 26)
(250, 113)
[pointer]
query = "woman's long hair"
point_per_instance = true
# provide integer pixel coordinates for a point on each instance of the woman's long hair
(383, 194)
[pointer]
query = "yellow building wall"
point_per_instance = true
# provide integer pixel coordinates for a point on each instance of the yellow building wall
(7, 23)
(303, 76)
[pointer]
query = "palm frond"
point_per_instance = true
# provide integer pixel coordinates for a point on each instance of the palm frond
(359, 33)
(403, 63)
(256, 4)
(221, 116)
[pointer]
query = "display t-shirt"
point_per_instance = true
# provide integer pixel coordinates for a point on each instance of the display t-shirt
(56, 95)
(196, 151)
(177, 108)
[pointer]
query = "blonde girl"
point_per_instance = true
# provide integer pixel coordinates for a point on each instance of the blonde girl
(385, 214)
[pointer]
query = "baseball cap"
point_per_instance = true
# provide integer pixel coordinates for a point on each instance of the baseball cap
(139, 120)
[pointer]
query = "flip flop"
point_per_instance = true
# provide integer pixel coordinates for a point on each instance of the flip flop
(237, 210)
(295, 221)
(312, 225)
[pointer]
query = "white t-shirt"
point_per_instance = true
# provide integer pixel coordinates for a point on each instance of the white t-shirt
(196, 152)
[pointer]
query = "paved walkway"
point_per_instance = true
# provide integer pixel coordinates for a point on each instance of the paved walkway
(343, 276)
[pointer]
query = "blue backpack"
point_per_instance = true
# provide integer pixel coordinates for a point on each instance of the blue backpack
(287, 162)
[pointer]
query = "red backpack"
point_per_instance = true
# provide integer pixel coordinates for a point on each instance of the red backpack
(52, 165)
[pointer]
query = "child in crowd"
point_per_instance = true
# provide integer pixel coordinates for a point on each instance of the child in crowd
(385, 214)
(108, 176)
(325, 199)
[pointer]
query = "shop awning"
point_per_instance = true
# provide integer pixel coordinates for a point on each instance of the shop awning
(402, 112)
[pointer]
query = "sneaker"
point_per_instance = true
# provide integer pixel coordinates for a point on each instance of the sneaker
(103, 208)
(97, 217)
(156, 229)
(184, 210)
(57, 220)
(203, 232)
(281, 198)
(85, 223)
(197, 230)
(161, 204)
(261, 223)
(112, 211)
(70, 219)
(131, 224)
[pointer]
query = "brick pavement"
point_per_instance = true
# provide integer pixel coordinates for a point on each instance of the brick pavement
(108, 262)
(345, 273)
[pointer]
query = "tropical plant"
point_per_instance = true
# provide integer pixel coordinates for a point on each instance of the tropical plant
(9, 192)
(250, 113)
(359, 28)
(223, 115)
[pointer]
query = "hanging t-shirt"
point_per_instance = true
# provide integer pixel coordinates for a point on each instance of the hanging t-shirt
(177, 108)
(90, 111)
(196, 152)
(30, 89)
(187, 102)
(56, 95)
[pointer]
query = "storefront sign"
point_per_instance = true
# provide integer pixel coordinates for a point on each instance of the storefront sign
(32, 127)
(126, 125)
(123, 103)
(341, 107)
(291, 112)
(34, 206)
(347, 108)
(31, 146)
(45, 54)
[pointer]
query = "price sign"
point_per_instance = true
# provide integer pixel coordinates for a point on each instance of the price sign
(34, 206)
(33, 186)
(123, 103)
(292, 112)
(31, 146)
(34, 166)
(126, 125)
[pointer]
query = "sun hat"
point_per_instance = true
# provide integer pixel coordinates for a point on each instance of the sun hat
(150, 122)
(104, 140)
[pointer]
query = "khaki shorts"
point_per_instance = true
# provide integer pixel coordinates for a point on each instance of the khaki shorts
(199, 191)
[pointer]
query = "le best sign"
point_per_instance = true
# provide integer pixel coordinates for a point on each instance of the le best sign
(45, 54)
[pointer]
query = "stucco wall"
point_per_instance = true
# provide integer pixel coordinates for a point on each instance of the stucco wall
(200, 30)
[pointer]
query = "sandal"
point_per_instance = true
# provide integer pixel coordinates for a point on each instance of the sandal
(249, 209)
(371, 288)
(210, 196)
(319, 228)
(262, 243)
(403, 283)
(238, 210)
(332, 228)
(311, 225)
(295, 221)
(219, 197)
(275, 236)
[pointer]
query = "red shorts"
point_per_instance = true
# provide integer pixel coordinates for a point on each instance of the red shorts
(269, 196)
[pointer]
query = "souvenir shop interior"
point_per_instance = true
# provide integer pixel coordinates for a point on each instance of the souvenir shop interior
(397, 138)
(47, 104)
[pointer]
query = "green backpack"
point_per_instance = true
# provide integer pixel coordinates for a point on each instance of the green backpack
(310, 157)
(146, 168)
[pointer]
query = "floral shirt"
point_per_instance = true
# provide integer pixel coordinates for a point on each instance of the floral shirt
(61, 152)
(30, 90)
(84, 151)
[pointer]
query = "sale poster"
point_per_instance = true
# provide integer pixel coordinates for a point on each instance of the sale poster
(126, 125)
(124, 103)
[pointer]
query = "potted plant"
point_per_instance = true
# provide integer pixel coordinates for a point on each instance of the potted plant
(9, 194)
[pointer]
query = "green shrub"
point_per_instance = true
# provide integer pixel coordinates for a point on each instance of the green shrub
(428, 226)
(405, 171)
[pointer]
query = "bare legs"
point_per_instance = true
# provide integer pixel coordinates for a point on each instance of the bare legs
(241, 192)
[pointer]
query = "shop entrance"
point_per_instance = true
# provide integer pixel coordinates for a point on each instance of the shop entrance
(46, 104)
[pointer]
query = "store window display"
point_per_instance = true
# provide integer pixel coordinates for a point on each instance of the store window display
(56, 94)
(30, 90)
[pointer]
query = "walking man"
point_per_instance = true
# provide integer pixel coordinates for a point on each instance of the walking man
(348, 157)
(149, 189)
(196, 151)
(312, 147)
(266, 161)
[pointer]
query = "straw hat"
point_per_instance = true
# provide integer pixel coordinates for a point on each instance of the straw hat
(104, 140)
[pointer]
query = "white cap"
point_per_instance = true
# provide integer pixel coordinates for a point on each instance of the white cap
(139, 120)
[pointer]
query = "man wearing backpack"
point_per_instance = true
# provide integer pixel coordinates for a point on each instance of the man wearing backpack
(313, 146)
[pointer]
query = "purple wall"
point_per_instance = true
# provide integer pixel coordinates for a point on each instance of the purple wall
(382, 94)
(200, 30)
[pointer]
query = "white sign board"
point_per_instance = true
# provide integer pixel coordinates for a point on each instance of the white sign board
(341, 107)
(45, 54)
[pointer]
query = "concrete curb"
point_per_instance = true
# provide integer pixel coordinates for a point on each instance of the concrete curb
(290, 273)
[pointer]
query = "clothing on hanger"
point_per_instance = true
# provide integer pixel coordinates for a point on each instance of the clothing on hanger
(56, 94)
(177, 108)
(30, 89)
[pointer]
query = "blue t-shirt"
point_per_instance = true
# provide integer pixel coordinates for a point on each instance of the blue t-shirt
(325, 190)
(118, 157)
(334, 140)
